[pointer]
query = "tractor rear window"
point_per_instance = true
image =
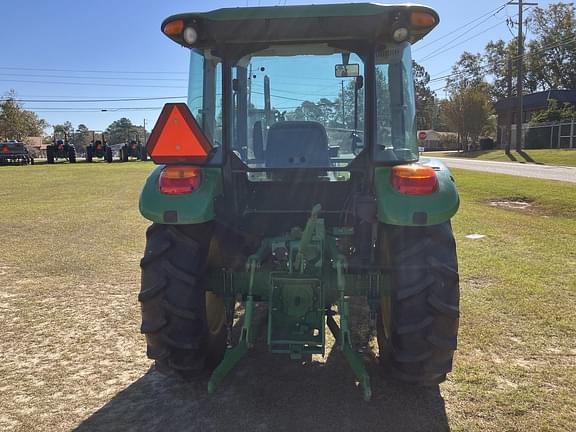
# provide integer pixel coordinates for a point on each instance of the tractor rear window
(303, 106)
(291, 110)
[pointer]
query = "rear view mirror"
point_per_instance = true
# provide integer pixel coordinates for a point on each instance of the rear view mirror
(346, 71)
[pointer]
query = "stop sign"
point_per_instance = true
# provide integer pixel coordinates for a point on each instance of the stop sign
(422, 135)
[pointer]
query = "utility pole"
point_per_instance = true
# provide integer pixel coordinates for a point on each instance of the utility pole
(250, 86)
(520, 78)
(267, 103)
(144, 143)
(509, 117)
(343, 114)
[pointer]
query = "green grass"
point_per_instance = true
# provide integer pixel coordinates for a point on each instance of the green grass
(564, 157)
(72, 239)
(515, 368)
(73, 219)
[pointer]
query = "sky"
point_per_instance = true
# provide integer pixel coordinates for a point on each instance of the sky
(68, 60)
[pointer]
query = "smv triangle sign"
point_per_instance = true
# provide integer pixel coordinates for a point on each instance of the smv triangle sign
(177, 137)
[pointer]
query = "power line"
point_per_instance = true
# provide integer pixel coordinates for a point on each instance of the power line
(439, 51)
(91, 71)
(493, 12)
(92, 110)
(111, 109)
(486, 68)
(92, 84)
(95, 100)
(567, 41)
(91, 77)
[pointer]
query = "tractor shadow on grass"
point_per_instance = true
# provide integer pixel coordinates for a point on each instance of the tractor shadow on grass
(268, 392)
(529, 158)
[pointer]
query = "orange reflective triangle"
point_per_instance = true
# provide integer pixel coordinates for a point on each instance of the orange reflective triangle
(177, 137)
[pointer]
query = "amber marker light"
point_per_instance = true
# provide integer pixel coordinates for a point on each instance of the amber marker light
(422, 19)
(178, 180)
(414, 179)
(174, 28)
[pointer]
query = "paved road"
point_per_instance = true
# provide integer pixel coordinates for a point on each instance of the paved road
(566, 174)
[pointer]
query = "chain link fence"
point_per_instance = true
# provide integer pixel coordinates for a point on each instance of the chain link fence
(554, 135)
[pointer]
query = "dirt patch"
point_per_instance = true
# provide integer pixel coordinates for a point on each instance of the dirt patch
(478, 282)
(513, 203)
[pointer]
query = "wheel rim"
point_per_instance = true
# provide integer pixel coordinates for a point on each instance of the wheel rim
(215, 313)
(386, 314)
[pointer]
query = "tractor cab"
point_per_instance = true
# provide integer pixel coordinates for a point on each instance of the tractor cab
(305, 86)
(315, 94)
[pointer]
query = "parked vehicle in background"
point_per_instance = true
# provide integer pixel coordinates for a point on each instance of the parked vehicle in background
(133, 149)
(60, 149)
(99, 149)
(15, 153)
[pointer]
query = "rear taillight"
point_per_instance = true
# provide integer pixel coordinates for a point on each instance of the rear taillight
(178, 180)
(414, 179)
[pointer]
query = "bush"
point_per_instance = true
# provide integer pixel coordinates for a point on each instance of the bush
(486, 144)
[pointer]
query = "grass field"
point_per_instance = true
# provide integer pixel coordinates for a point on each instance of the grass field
(565, 157)
(71, 355)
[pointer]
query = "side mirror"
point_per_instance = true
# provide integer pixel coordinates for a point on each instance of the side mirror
(359, 82)
(347, 71)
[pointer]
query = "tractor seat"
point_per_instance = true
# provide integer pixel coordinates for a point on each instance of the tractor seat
(297, 144)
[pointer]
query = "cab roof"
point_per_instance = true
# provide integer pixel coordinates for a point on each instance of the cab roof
(308, 23)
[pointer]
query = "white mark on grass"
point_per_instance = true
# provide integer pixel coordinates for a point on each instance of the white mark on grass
(475, 236)
(515, 203)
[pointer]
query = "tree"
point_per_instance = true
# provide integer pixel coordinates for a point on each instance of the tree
(63, 131)
(552, 54)
(425, 98)
(554, 113)
(82, 137)
(17, 123)
(121, 131)
(467, 111)
(468, 72)
(323, 111)
(499, 58)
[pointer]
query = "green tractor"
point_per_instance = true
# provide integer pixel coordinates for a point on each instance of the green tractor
(60, 149)
(98, 148)
(133, 149)
(292, 178)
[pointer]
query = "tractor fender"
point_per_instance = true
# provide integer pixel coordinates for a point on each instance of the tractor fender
(395, 208)
(192, 208)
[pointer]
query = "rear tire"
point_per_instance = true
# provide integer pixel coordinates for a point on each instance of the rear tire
(89, 153)
(418, 323)
(185, 327)
(124, 154)
(50, 154)
(72, 154)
